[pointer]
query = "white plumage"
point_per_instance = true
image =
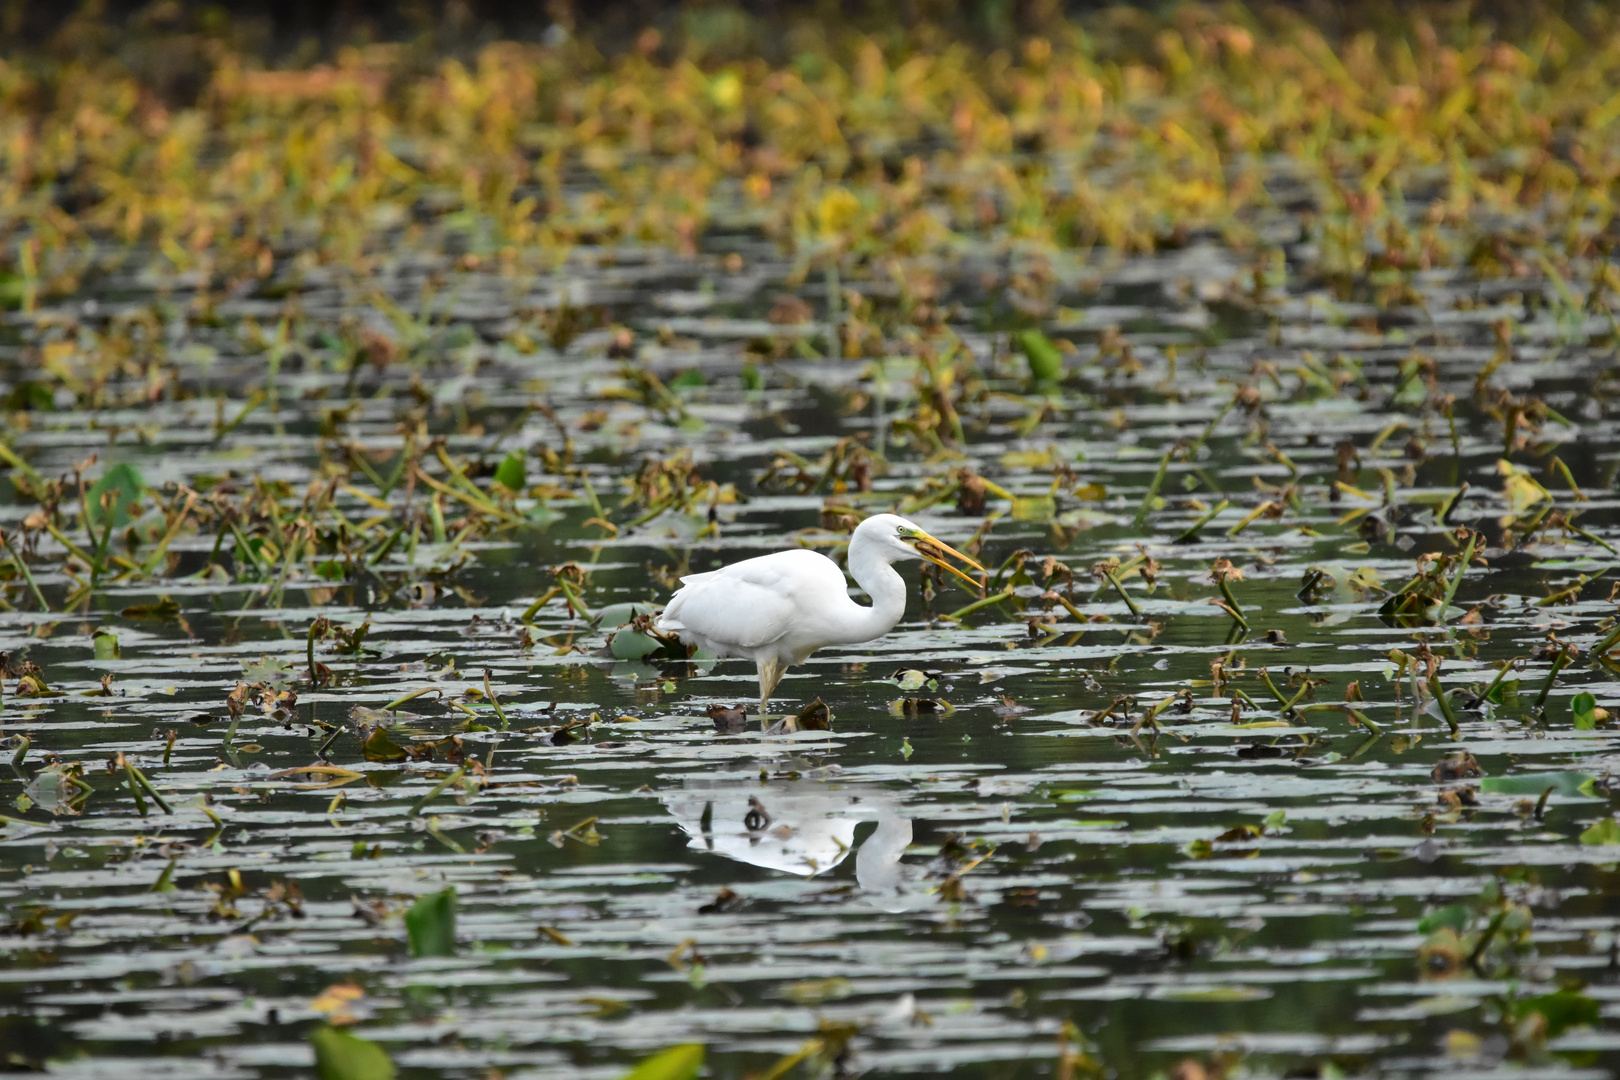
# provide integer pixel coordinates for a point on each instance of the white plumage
(778, 609)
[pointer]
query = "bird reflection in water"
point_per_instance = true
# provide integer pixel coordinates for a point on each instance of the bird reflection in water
(803, 827)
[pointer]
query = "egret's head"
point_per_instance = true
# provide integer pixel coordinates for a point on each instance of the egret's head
(910, 541)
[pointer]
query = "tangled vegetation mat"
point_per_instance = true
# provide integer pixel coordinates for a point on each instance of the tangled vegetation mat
(357, 413)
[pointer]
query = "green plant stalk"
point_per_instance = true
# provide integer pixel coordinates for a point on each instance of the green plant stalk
(412, 696)
(73, 549)
(1355, 714)
(165, 881)
(453, 778)
(213, 556)
(1546, 687)
(1007, 564)
(1123, 595)
(1598, 540)
(1204, 519)
(1569, 478)
(387, 545)
(1609, 642)
(1367, 744)
(22, 751)
(1233, 608)
(22, 567)
(134, 790)
(309, 652)
(1485, 939)
(1500, 675)
(138, 777)
(527, 618)
(151, 563)
(495, 704)
(984, 602)
(1361, 718)
(1209, 428)
(254, 400)
(371, 473)
(1265, 676)
(243, 548)
(10, 457)
(1153, 490)
(1456, 579)
(327, 744)
(1444, 702)
(573, 600)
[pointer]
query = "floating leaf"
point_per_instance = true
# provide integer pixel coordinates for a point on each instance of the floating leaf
(1568, 784)
(342, 1056)
(124, 482)
(379, 747)
(270, 671)
(1585, 711)
(677, 1063)
(510, 473)
(619, 614)
(430, 924)
(633, 645)
(1562, 1010)
(105, 645)
(1045, 361)
(1603, 833)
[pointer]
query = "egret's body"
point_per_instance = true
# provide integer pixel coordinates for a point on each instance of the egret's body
(778, 609)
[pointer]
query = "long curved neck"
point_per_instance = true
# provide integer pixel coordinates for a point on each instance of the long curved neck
(874, 573)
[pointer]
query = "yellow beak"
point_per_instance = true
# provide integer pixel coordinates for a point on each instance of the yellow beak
(922, 542)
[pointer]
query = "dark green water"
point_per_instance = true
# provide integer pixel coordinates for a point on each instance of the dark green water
(1245, 894)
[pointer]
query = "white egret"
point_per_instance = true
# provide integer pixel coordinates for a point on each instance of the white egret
(778, 609)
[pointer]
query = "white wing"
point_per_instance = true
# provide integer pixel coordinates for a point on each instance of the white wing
(752, 603)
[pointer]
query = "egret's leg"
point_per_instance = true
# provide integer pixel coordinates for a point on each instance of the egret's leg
(770, 673)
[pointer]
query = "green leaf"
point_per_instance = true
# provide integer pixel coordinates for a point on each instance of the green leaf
(379, 747)
(1452, 916)
(677, 1063)
(633, 645)
(510, 474)
(691, 379)
(273, 673)
(1604, 832)
(1584, 706)
(619, 614)
(751, 377)
(106, 645)
(1045, 362)
(125, 483)
(341, 1056)
(430, 924)
(1568, 784)
(1563, 1010)
(1033, 508)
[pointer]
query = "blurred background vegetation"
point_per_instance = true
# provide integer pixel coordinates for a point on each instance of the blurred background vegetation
(231, 139)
